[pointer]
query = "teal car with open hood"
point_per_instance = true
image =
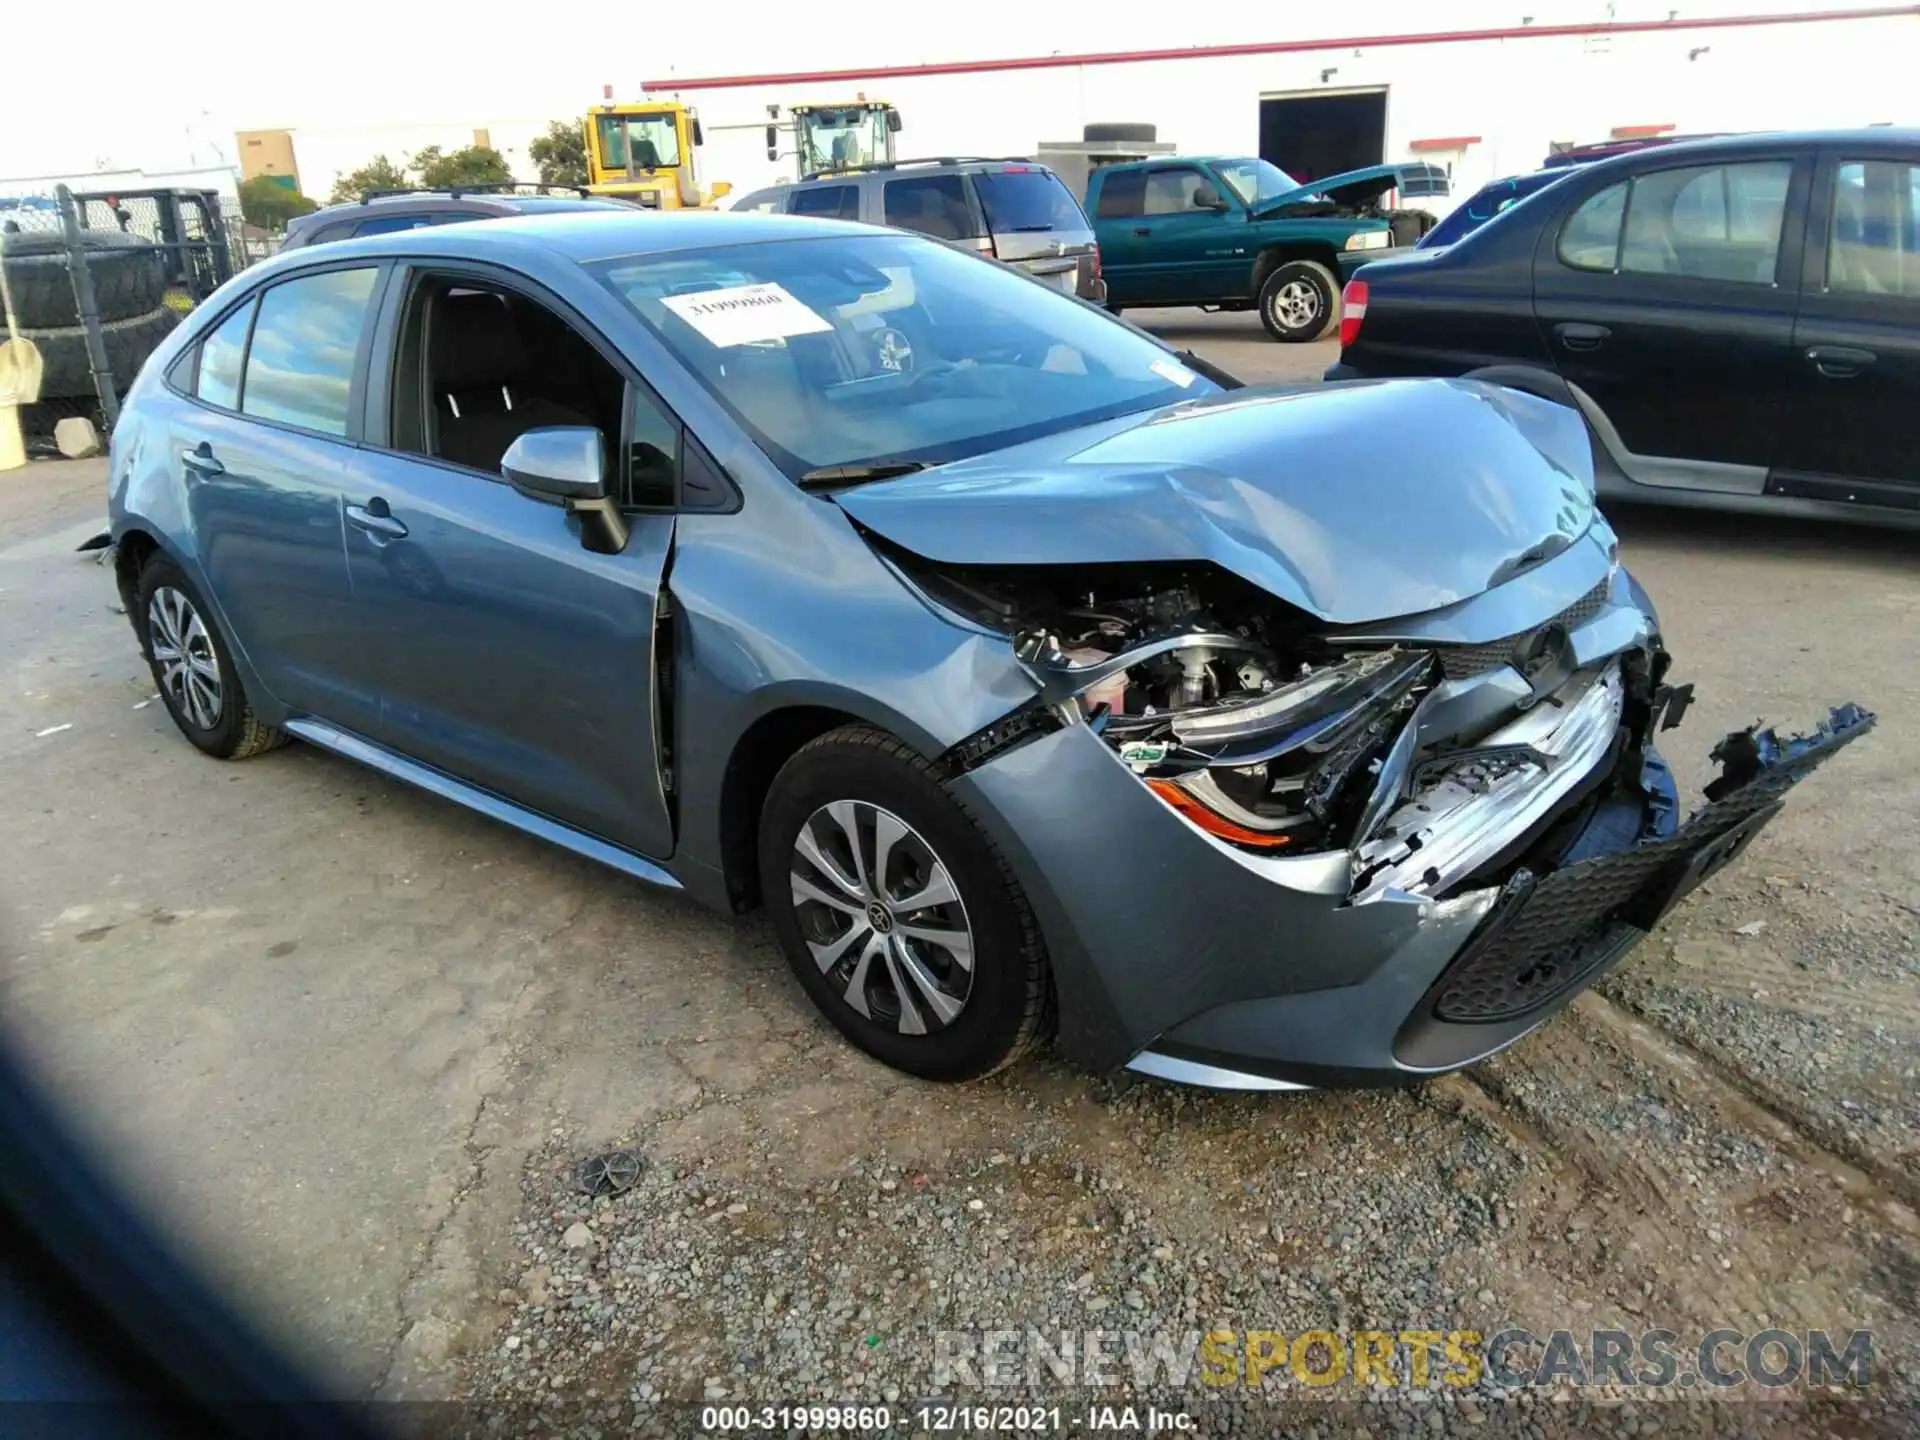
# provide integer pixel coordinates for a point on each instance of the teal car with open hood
(1242, 234)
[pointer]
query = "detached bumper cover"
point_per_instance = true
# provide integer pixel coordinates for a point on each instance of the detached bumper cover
(1538, 942)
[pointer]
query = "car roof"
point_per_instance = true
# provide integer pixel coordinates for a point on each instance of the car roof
(441, 201)
(1869, 140)
(586, 235)
(972, 164)
(1155, 161)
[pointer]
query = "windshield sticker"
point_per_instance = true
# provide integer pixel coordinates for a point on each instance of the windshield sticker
(745, 314)
(1177, 374)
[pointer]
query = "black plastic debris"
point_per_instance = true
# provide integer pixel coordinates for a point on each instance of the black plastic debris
(607, 1174)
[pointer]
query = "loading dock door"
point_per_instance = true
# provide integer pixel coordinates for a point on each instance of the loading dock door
(1318, 134)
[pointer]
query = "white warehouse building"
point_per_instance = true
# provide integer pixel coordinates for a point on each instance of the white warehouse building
(1327, 96)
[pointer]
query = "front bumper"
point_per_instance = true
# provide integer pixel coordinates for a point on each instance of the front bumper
(1187, 958)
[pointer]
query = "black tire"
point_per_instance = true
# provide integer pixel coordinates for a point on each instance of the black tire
(1003, 1011)
(63, 353)
(235, 732)
(1123, 131)
(1283, 296)
(129, 278)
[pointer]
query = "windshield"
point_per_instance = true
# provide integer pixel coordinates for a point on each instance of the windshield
(650, 142)
(1255, 180)
(866, 349)
(837, 139)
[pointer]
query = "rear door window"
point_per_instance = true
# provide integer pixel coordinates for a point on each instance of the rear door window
(935, 205)
(300, 364)
(834, 202)
(222, 354)
(388, 224)
(1027, 200)
(1714, 222)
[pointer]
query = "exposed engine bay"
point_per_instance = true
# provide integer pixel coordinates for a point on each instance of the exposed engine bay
(1408, 225)
(1237, 712)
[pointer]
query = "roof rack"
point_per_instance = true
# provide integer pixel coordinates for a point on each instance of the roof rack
(930, 160)
(497, 187)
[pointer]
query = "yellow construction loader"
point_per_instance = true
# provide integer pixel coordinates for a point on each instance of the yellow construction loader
(646, 154)
(838, 137)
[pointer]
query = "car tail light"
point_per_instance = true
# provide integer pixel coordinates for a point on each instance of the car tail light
(1353, 309)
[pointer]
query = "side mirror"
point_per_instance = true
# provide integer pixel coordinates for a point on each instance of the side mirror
(566, 465)
(773, 143)
(1205, 197)
(698, 138)
(893, 122)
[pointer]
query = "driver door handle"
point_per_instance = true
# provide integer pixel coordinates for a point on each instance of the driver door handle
(1581, 337)
(375, 519)
(1839, 362)
(199, 460)
(1142, 230)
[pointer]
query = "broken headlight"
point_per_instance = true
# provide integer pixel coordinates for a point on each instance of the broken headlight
(1278, 768)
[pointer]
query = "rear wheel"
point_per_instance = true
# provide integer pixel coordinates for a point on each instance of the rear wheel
(901, 920)
(193, 667)
(1299, 302)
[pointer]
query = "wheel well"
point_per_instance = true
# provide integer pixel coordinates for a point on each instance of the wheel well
(767, 745)
(130, 556)
(1274, 256)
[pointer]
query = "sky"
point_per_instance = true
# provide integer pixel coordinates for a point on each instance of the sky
(136, 87)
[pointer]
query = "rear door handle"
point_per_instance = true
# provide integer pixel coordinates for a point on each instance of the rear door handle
(1581, 337)
(1839, 362)
(200, 460)
(374, 518)
(1143, 230)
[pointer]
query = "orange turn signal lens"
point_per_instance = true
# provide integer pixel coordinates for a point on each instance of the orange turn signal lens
(1214, 824)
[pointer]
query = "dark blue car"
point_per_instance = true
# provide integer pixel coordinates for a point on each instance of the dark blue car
(1030, 679)
(1485, 203)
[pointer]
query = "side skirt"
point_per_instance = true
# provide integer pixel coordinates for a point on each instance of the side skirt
(378, 757)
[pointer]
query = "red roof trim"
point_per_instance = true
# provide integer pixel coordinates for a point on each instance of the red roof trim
(1277, 47)
(1638, 132)
(1449, 142)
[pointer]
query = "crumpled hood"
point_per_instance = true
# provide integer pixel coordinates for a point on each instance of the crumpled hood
(1414, 179)
(1356, 502)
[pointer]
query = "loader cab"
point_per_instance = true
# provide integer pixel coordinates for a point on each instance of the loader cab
(646, 154)
(842, 137)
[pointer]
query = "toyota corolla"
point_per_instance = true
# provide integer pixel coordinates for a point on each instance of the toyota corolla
(1036, 679)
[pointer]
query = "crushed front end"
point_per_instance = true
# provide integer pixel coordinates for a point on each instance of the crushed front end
(1270, 852)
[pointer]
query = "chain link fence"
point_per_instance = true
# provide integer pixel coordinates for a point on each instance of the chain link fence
(98, 280)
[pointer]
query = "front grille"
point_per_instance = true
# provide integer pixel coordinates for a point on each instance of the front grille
(1462, 662)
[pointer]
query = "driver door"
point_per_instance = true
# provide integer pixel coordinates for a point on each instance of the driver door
(512, 656)
(1182, 251)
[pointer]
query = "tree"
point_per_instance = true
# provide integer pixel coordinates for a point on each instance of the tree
(475, 165)
(561, 154)
(268, 204)
(379, 173)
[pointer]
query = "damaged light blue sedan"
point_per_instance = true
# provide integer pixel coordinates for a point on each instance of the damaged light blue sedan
(1036, 679)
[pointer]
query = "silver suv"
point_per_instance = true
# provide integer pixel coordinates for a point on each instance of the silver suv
(1013, 210)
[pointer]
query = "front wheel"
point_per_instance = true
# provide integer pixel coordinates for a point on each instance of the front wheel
(1300, 302)
(900, 918)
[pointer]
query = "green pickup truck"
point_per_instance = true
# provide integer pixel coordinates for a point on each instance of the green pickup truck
(1241, 234)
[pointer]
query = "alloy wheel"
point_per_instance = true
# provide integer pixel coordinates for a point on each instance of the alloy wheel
(1296, 304)
(882, 917)
(183, 653)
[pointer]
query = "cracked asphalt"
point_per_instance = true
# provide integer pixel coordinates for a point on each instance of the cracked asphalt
(342, 1039)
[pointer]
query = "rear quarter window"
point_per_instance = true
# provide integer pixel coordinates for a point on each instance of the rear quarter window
(1034, 200)
(934, 205)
